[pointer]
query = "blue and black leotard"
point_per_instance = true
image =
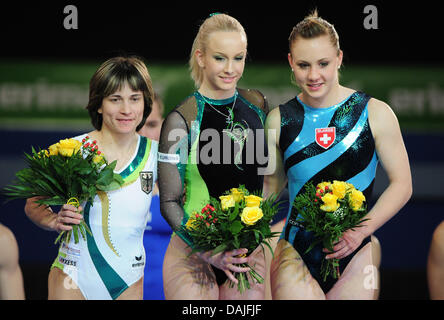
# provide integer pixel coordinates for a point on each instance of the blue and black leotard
(347, 155)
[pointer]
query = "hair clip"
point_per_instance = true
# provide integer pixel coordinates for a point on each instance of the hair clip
(213, 14)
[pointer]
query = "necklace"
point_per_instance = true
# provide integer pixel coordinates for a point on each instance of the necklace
(229, 119)
(237, 131)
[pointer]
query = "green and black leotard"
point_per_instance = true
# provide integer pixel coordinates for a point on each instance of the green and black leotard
(207, 147)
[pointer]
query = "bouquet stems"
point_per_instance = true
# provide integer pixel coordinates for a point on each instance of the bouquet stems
(243, 283)
(330, 266)
(76, 229)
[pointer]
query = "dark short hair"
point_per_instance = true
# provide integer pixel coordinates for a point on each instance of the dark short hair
(110, 77)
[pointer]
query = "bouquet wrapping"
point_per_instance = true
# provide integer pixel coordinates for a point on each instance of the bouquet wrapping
(328, 211)
(236, 220)
(68, 172)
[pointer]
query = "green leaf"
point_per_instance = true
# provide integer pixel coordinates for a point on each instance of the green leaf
(118, 178)
(219, 249)
(82, 232)
(257, 235)
(112, 165)
(61, 234)
(269, 247)
(234, 214)
(53, 201)
(76, 233)
(54, 182)
(114, 185)
(84, 168)
(236, 242)
(105, 177)
(236, 227)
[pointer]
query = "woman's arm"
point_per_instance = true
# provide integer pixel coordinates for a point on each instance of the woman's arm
(435, 264)
(394, 159)
(393, 156)
(173, 154)
(45, 218)
(11, 278)
(275, 178)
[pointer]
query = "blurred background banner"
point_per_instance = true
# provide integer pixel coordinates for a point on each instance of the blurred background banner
(41, 91)
(391, 51)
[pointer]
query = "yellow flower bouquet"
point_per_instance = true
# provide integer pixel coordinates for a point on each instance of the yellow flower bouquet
(328, 210)
(236, 220)
(68, 172)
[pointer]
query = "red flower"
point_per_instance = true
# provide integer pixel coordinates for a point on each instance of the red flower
(208, 208)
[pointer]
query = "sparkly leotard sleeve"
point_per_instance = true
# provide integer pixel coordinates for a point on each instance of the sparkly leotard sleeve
(333, 143)
(202, 154)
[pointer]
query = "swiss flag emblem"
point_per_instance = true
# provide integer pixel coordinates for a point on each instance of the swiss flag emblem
(325, 136)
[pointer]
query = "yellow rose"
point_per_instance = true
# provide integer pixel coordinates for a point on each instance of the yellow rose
(330, 202)
(68, 147)
(356, 199)
(322, 185)
(251, 215)
(339, 189)
(252, 201)
(237, 194)
(191, 223)
(350, 187)
(53, 149)
(98, 159)
(227, 201)
(43, 153)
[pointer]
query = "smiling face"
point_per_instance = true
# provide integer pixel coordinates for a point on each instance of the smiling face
(315, 63)
(223, 63)
(122, 111)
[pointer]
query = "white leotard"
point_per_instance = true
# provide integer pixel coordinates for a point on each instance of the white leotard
(113, 259)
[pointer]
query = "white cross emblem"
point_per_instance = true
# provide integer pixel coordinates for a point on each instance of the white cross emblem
(325, 136)
(325, 139)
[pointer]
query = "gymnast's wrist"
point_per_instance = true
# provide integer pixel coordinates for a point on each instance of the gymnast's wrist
(367, 230)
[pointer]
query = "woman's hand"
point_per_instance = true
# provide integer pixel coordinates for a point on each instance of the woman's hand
(347, 244)
(67, 216)
(226, 261)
